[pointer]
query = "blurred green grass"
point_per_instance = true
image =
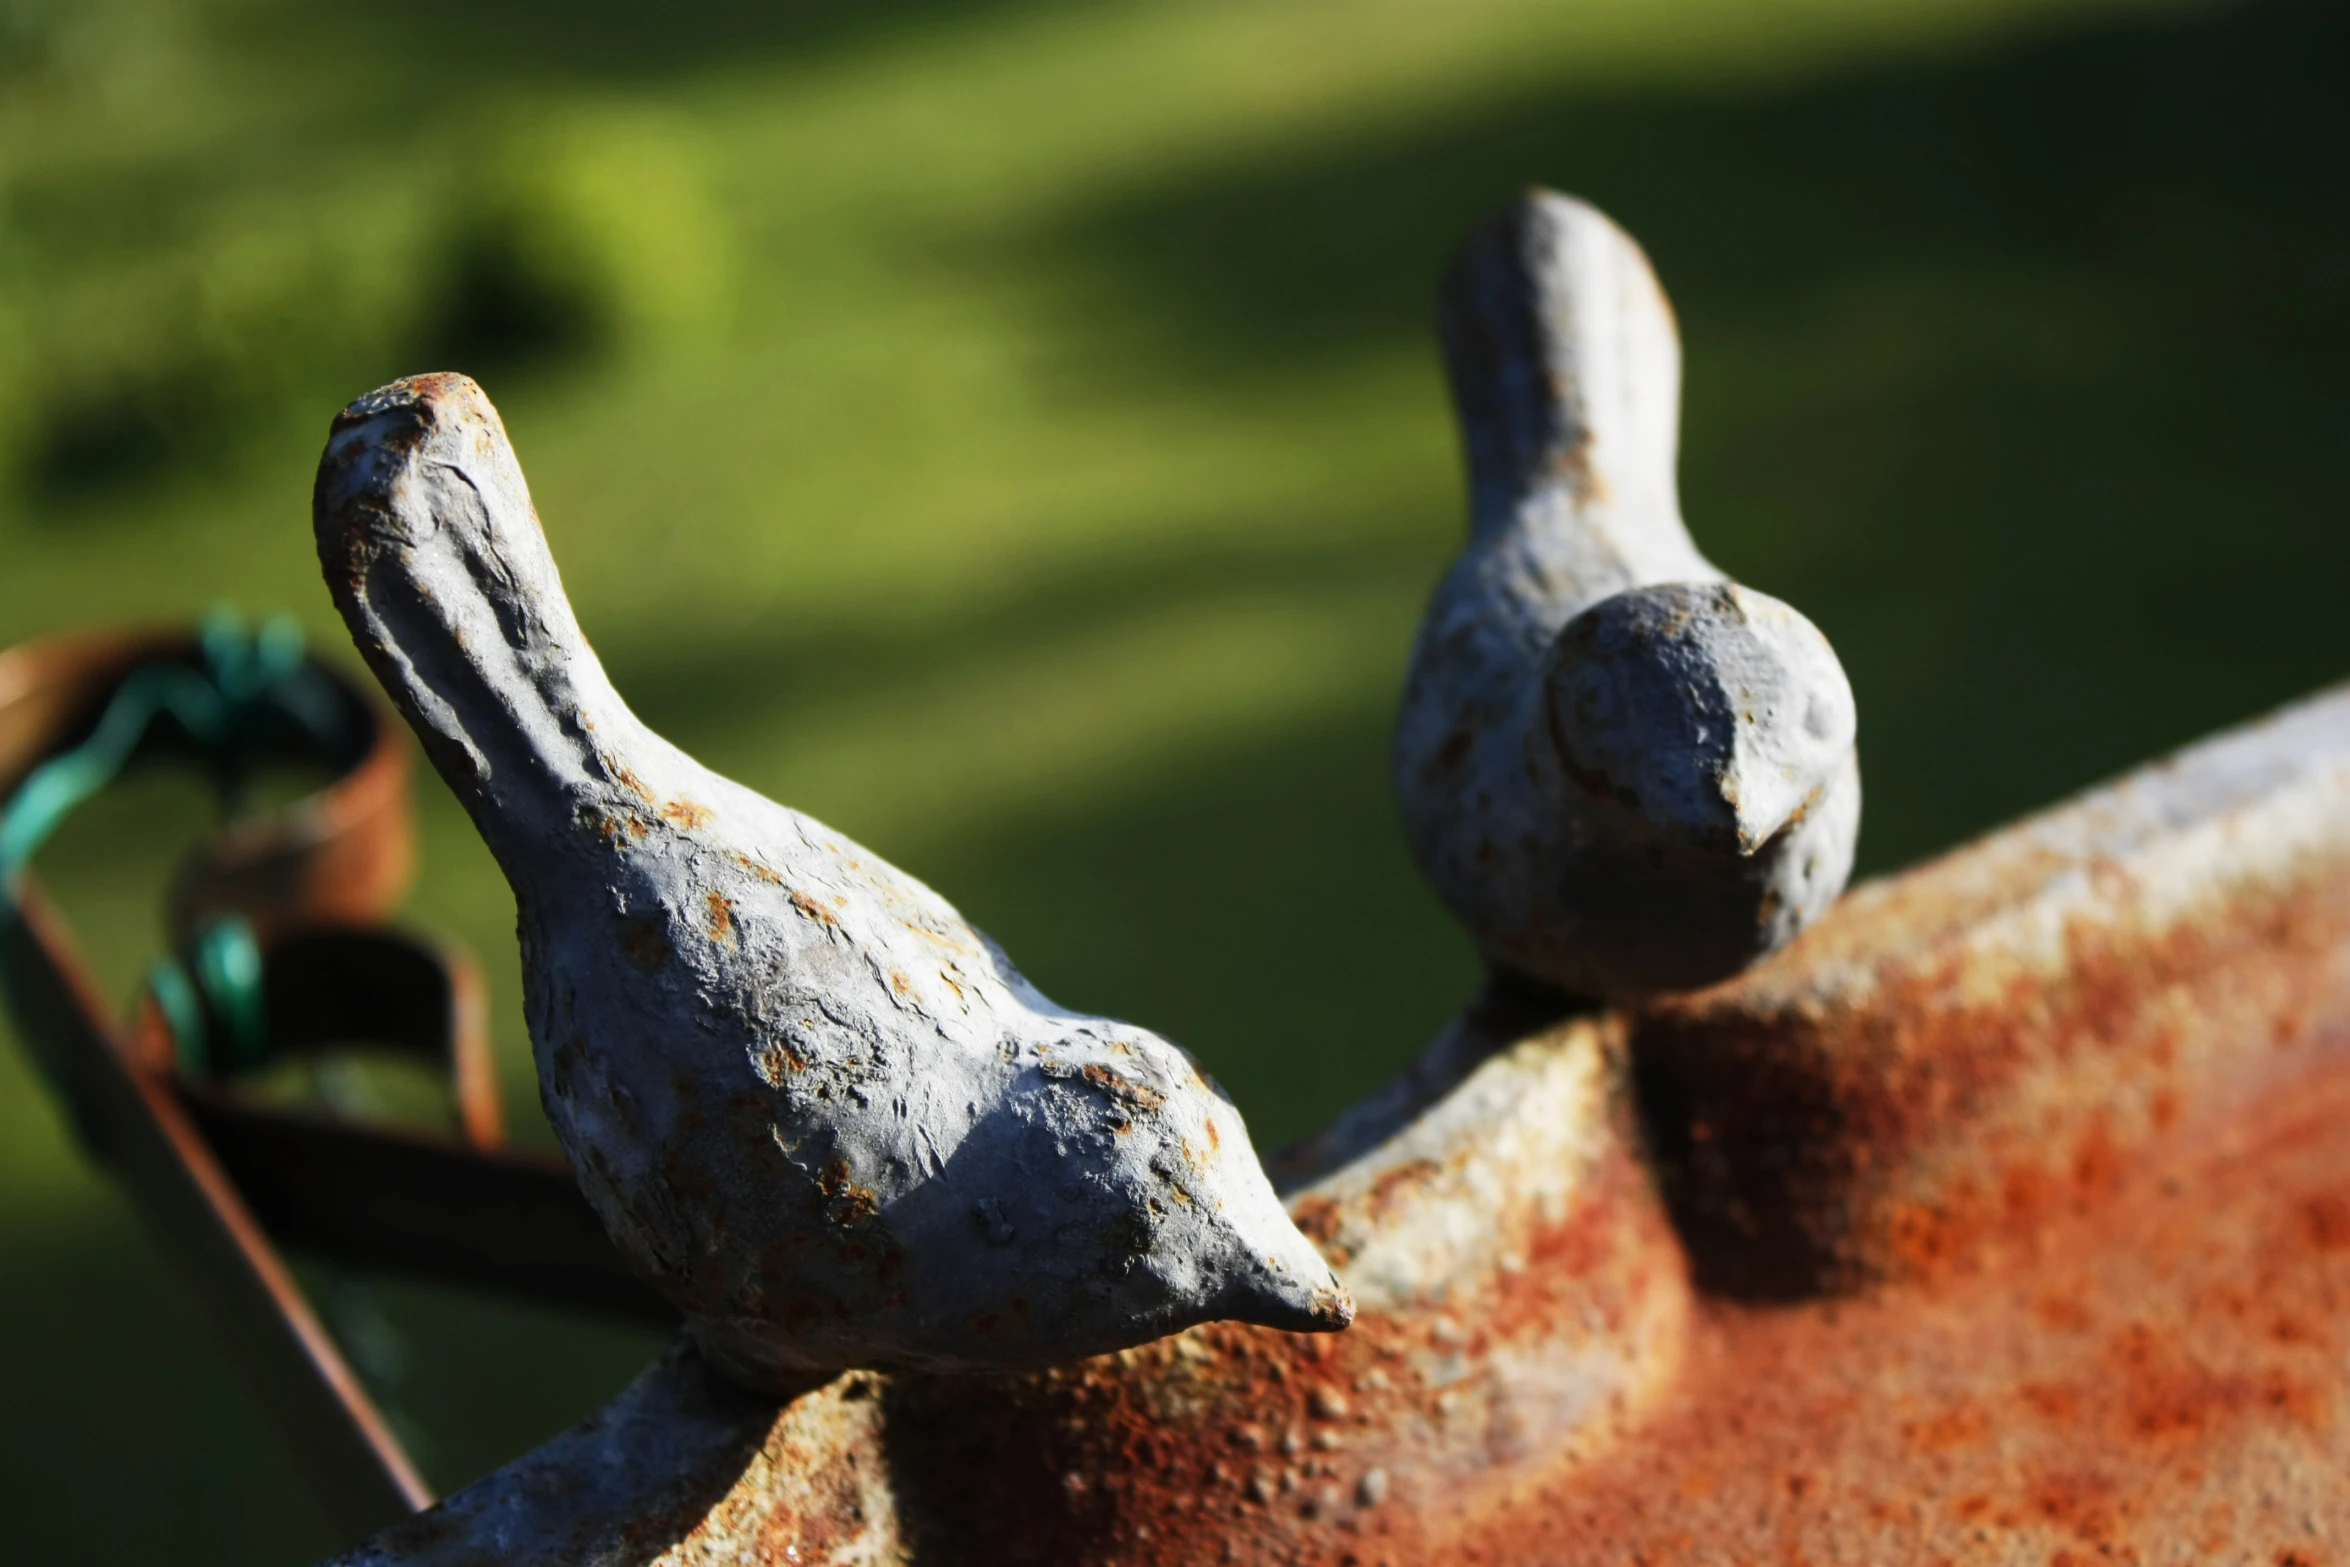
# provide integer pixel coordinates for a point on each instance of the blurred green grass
(1034, 459)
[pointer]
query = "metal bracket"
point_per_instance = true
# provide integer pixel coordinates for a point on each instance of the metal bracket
(219, 1179)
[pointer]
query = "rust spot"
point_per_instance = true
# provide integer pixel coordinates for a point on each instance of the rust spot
(847, 1204)
(631, 782)
(1126, 1091)
(2052, 1402)
(755, 868)
(2325, 1218)
(812, 909)
(1961, 1427)
(686, 814)
(1957, 1104)
(776, 1057)
(721, 917)
(2082, 1503)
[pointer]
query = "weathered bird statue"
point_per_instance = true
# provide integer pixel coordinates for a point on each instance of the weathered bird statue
(1622, 771)
(818, 1110)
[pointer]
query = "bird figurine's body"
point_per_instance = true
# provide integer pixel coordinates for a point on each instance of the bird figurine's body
(817, 1109)
(1623, 772)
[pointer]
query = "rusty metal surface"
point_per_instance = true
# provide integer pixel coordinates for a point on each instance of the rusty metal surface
(686, 1468)
(1522, 1304)
(2154, 1375)
(2136, 1352)
(1965, 1049)
(1521, 1300)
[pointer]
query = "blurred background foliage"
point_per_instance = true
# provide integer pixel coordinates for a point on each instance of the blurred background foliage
(1010, 430)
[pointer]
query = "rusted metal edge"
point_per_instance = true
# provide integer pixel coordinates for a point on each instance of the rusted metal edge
(2064, 1000)
(1960, 1050)
(681, 1456)
(1522, 1299)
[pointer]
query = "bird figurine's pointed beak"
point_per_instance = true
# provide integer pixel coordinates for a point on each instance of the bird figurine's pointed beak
(1297, 1295)
(1795, 718)
(1764, 803)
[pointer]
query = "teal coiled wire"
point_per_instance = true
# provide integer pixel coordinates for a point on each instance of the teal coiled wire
(253, 687)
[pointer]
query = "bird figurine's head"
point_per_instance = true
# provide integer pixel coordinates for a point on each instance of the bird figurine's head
(1693, 731)
(1704, 712)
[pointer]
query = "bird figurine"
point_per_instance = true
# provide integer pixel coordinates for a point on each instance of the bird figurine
(1623, 772)
(820, 1112)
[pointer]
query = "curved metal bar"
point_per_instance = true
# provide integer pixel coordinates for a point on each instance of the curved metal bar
(129, 1116)
(218, 1178)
